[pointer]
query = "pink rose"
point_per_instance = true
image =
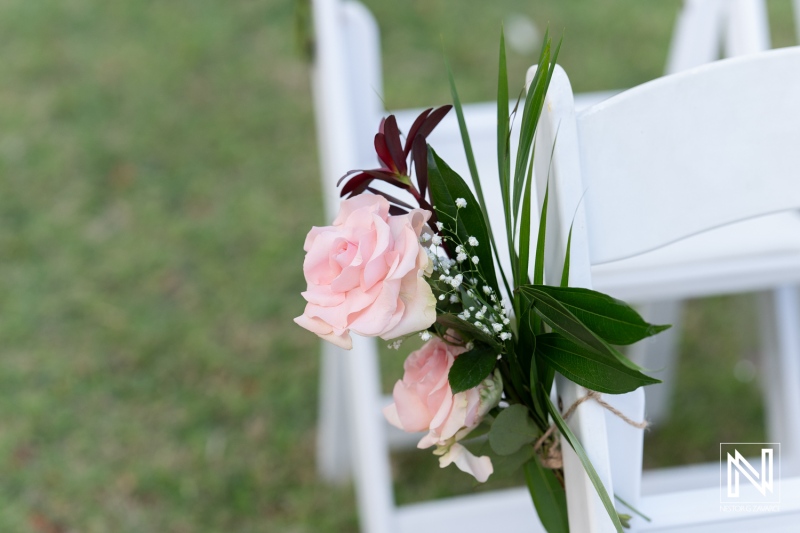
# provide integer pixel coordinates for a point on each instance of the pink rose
(364, 274)
(424, 401)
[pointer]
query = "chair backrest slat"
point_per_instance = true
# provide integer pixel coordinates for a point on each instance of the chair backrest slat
(676, 142)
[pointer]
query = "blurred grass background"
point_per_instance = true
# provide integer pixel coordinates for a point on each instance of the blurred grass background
(158, 174)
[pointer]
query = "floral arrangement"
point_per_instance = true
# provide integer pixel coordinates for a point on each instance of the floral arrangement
(494, 339)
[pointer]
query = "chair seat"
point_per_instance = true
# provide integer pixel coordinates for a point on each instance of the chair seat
(748, 256)
(693, 511)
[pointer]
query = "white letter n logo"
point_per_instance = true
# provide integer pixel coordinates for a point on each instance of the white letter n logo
(762, 481)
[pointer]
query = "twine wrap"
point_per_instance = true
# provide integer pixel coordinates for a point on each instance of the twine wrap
(550, 456)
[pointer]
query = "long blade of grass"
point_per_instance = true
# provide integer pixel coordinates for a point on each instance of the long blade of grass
(503, 132)
(473, 169)
(534, 101)
(587, 464)
(525, 230)
(565, 270)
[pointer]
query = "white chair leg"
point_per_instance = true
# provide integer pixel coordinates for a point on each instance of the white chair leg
(333, 443)
(660, 353)
(747, 29)
(369, 448)
(697, 35)
(796, 6)
(780, 343)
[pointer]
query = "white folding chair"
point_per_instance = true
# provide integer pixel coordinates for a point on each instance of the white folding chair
(663, 162)
(352, 432)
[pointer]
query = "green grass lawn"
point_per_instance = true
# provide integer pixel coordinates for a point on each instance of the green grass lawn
(158, 174)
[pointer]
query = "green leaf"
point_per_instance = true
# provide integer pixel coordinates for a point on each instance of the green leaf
(563, 321)
(525, 229)
(632, 508)
(446, 186)
(462, 126)
(512, 429)
(472, 367)
(473, 168)
(613, 320)
(534, 102)
(538, 268)
(565, 271)
(587, 464)
(503, 465)
(548, 496)
(587, 368)
(503, 160)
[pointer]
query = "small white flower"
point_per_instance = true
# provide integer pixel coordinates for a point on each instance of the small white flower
(441, 297)
(470, 345)
(436, 239)
(460, 202)
(442, 277)
(473, 281)
(487, 289)
(472, 241)
(425, 237)
(506, 321)
(479, 314)
(505, 336)
(465, 315)
(497, 327)
(456, 281)
(471, 307)
(425, 336)
(475, 259)
(460, 249)
(461, 257)
(439, 226)
(454, 298)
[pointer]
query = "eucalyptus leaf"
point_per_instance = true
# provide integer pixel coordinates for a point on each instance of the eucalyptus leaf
(472, 367)
(512, 429)
(587, 368)
(613, 320)
(549, 497)
(504, 466)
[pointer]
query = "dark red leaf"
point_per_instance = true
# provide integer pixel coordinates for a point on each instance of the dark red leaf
(383, 151)
(355, 182)
(413, 131)
(433, 120)
(390, 197)
(392, 137)
(420, 154)
(349, 172)
(360, 189)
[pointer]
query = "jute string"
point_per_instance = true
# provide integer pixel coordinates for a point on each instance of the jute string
(551, 456)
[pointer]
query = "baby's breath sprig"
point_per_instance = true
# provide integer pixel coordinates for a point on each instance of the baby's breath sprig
(459, 281)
